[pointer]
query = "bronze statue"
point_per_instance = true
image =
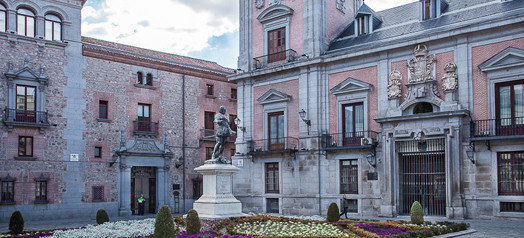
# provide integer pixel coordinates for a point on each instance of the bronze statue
(223, 131)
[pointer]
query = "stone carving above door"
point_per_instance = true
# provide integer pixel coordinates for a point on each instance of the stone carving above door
(275, 2)
(395, 87)
(449, 81)
(259, 4)
(421, 65)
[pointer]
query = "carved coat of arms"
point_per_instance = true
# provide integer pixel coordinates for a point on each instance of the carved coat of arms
(259, 4)
(341, 5)
(421, 65)
(394, 87)
(449, 81)
(275, 2)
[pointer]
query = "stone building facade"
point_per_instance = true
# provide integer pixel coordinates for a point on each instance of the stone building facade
(90, 124)
(421, 102)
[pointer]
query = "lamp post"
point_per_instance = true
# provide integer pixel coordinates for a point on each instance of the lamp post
(470, 152)
(302, 113)
(237, 122)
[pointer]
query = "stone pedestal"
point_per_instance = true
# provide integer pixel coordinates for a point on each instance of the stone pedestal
(218, 201)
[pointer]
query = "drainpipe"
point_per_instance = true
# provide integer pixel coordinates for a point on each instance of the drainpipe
(184, 142)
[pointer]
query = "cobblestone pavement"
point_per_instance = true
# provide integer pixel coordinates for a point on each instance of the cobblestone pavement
(484, 228)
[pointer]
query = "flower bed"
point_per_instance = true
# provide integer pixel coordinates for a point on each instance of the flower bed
(382, 230)
(29, 235)
(131, 228)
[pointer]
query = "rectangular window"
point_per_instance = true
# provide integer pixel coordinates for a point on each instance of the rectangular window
(7, 192)
(233, 93)
(512, 206)
(144, 117)
(276, 45)
(98, 152)
(98, 193)
(429, 9)
(509, 103)
(149, 79)
(25, 103)
(272, 205)
(41, 191)
(209, 152)
(209, 89)
(25, 146)
(272, 178)
(349, 176)
(363, 25)
(353, 205)
(353, 123)
(511, 173)
(197, 188)
(232, 124)
(102, 109)
(276, 131)
(209, 117)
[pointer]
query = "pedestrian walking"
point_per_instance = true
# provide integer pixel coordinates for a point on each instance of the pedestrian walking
(344, 206)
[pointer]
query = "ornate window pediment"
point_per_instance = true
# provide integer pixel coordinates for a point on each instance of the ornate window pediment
(273, 96)
(26, 73)
(275, 12)
(351, 85)
(507, 58)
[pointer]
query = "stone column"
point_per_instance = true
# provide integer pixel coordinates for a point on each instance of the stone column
(40, 27)
(162, 192)
(125, 190)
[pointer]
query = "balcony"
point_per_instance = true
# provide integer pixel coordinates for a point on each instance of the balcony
(278, 58)
(350, 140)
(276, 145)
(145, 128)
(209, 135)
(25, 118)
(497, 129)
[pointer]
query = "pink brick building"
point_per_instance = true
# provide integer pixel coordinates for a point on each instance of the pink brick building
(421, 102)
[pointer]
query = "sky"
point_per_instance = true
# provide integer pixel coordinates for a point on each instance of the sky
(204, 29)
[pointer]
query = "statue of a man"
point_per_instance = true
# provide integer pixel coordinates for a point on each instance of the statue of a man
(223, 131)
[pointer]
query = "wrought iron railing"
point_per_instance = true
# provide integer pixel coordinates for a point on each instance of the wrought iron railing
(497, 127)
(209, 135)
(25, 116)
(275, 58)
(275, 144)
(145, 127)
(358, 138)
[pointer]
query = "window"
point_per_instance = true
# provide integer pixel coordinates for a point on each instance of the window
(7, 190)
(512, 206)
(349, 176)
(276, 45)
(25, 146)
(98, 152)
(272, 205)
(25, 103)
(423, 107)
(102, 109)
(144, 117)
(41, 191)
(511, 173)
(233, 152)
(139, 78)
(209, 89)
(363, 25)
(98, 193)
(209, 152)
(3, 18)
(234, 93)
(353, 123)
(272, 178)
(429, 9)
(149, 79)
(197, 188)
(232, 124)
(25, 22)
(209, 118)
(509, 103)
(276, 131)
(53, 27)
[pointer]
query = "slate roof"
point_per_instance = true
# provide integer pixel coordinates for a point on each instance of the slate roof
(403, 20)
(179, 60)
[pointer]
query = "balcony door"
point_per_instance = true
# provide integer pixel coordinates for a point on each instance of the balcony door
(509, 99)
(276, 45)
(353, 123)
(144, 117)
(25, 103)
(276, 131)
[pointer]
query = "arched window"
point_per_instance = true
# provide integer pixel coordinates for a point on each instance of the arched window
(53, 27)
(423, 107)
(25, 22)
(139, 78)
(3, 18)
(149, 79)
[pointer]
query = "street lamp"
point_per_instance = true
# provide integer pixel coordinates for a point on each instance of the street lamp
(470, 152)
(237, 122)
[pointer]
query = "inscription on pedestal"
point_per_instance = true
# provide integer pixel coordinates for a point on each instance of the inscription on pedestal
(223, 184)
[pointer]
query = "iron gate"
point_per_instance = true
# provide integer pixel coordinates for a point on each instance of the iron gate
(422, 177)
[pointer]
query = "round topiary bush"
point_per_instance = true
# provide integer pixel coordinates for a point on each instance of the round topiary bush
(101, 217)
(16, 223)
(417, 214)
(332, 214)
(192, 223)
(164, 224)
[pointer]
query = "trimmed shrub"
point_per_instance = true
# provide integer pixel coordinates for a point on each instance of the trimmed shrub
(101, 217)
(417, 214)
(332, 214)
(164, 224)
(16, 223)
(192, 222)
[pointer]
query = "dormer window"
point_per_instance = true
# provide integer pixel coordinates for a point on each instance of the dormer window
(365, 21)
(362, 25)
(430, 9)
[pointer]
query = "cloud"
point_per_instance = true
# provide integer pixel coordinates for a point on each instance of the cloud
(222, 49)
(173, 26)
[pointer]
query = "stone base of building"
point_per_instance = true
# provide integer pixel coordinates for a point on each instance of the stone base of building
(217, 201)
